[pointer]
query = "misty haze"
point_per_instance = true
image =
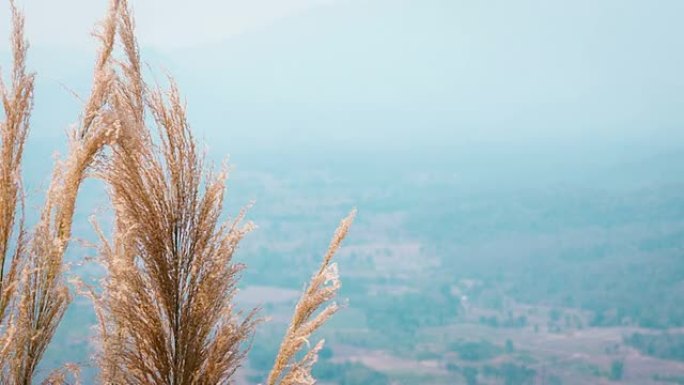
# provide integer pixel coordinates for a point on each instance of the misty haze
(516, 166)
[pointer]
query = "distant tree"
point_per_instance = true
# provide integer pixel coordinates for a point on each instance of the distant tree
(475, 351)
(509, 346)
(470, 374)
(617, 368)
(517, 374)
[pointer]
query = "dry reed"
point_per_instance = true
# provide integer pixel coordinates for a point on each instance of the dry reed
(165, 311)
(17, 103)
(34, 296)
(321, 289)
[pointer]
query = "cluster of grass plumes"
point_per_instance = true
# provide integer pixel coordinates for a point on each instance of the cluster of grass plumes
(166, 304)
(34, 296)
(45, 296)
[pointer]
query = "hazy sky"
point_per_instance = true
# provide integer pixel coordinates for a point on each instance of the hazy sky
(383, 73)
(163, 24)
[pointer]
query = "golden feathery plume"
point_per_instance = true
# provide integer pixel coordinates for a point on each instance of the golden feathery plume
(321, 289)
(165, 310)
(17, 103)
(43, 295)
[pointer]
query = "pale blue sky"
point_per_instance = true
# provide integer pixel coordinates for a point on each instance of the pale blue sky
(68, 22)
(395, 73)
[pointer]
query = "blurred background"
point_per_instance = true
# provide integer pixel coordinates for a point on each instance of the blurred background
(517, 167)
